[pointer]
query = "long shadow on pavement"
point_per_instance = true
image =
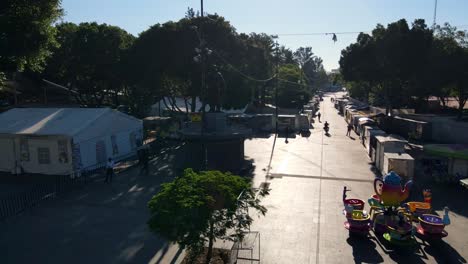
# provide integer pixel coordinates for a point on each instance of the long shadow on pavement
(102, 223)
(364, 250)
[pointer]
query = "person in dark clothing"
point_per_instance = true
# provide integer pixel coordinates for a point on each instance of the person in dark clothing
(109, 170)
(144, 159)
(350, 127)
(326, 127)
(318, 116)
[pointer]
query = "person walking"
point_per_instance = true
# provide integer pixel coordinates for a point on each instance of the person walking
(350, 127)
(109, 170)
(144, 159)
(318, 116)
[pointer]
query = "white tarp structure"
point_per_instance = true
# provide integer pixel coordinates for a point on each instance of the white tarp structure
(158, 108)
(60, 141)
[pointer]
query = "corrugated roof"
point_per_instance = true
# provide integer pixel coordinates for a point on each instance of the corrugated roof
(48, 121)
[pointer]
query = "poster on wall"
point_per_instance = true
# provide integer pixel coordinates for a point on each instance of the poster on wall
(24, 149)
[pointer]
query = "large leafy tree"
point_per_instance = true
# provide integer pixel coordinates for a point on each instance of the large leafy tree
(392, 62)
(167, 60)
(397, 63)
(451, 48)
(258, 61)
(292, 90)
(198, 208)
(27, 33)
(89, 61)
(312, 68)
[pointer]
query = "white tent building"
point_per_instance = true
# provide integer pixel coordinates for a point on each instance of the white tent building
(62, 141)
(158, 108)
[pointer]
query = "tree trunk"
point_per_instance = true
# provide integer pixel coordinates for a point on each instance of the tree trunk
(194, 104)
(209, 254)
(461, 100)
(461, 106)
(116, 98)
(186, 106)
(442, 100)
(165, 103)
(173, 103)
(387, 100)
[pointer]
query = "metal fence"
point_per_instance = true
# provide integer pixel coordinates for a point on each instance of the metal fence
(234, 253)
(36, 192)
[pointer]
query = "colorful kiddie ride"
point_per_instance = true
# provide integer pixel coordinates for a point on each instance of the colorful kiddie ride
(358, 221)
(388, 219)
(431, 227)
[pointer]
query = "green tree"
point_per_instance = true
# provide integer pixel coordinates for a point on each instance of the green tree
(292, 90)
(312, 68)
(452, 56)
(27, 33)
(392, 63)
(198, 208)
(89, 61)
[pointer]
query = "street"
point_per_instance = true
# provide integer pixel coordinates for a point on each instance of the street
(106, 223)
(304, 223)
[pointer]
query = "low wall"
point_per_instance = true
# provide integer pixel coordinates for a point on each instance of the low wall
(449, 131)
(445, 129)
(377, 110)
(404, 127)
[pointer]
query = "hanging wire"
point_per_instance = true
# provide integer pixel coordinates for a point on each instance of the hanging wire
(340, 33)
(321, 33)
(240, 72)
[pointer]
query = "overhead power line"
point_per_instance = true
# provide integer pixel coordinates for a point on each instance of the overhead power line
(340, 33)
(240, 72)
(322, 33)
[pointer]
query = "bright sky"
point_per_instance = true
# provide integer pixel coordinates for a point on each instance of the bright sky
(275, 17)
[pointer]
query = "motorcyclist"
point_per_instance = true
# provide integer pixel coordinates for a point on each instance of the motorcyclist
(326, 126)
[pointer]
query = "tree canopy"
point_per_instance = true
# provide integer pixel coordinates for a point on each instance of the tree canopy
(27, 33)
(198, 208)
(398, 62)
(104, 65)
(89, 61)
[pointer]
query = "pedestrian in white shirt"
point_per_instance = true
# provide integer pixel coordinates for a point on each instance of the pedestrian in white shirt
(109, 170)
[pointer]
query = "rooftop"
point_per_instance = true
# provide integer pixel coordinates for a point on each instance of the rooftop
(48, 121)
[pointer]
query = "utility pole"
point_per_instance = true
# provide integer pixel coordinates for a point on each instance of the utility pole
(201, 2)
(202, 90)
(277, 82)
(202, 56)
(435, 15)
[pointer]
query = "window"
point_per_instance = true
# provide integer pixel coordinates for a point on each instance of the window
(62, 151)
(43, 155)
(115, 148)
(24, 149)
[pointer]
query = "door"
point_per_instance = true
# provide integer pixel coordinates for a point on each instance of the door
(7, 158)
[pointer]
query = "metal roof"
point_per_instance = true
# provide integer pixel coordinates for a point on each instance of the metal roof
(49, 121)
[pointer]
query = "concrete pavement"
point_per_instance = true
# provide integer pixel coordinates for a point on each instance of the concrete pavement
(102, 223)
(304, 223)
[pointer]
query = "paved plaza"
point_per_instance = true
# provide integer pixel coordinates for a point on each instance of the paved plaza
(304, 224)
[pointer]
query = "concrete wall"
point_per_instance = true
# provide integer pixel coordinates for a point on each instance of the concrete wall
(376, 110)
(445, 129)
(404, 126)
